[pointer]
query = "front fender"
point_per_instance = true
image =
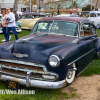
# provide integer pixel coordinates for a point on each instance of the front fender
(5, 46)
(98, 48)
(98, 25)
(98, 45)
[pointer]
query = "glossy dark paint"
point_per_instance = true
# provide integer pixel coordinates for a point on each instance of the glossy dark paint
(68, 49)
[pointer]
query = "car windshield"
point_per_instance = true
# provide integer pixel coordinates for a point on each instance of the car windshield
(59, 27)
(98, 14)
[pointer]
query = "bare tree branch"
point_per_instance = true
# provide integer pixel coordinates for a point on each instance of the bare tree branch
(1, 2)
(15, 8)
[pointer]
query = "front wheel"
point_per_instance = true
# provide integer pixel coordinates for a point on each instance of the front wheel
(71, 74)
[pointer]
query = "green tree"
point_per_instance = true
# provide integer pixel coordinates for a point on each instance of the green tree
(87, 8)
(75, 4)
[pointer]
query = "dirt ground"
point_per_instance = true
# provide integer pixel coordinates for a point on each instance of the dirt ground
(85, 88)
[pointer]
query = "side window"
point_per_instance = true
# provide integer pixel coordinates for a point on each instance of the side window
(22, 17)
(36, 16)
(92, 15)
(93, 29)
(28, 16)
(85, 29)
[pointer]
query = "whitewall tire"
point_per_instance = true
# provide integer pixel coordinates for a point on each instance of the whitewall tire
(71, 75)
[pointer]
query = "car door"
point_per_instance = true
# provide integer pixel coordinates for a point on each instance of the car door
(88, 41)
(21, 20)
(94, 36)
(26, 20)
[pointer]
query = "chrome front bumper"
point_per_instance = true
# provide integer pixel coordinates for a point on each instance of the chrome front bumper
(35, 83)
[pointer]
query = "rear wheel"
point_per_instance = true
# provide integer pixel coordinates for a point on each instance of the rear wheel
(71, 74)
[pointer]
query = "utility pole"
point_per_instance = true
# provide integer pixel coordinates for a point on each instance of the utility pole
(96, 6)
(30, 5)
(72, 4)
(15, 8)
(91, 5)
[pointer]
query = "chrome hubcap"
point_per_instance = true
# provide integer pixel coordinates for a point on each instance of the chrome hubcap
(69, 75)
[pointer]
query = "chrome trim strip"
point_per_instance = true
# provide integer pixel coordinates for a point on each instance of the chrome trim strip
(36, 83)
(22, 62)
(20, 55)
(22, 76)
(2, 72)
(26, 39)
(80, 57)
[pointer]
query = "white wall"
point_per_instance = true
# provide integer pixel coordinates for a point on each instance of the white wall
(8, 1)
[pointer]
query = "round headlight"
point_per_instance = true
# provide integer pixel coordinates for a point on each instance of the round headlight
(54, 61)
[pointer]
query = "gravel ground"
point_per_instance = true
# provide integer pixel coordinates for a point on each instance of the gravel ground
(86, 88)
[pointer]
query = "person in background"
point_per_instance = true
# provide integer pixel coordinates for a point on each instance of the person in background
(10, 24)
(20, 16)
(58, 11)
(16, 16)
(3, 22)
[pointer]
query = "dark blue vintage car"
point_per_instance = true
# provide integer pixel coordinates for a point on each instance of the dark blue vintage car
(57, 50)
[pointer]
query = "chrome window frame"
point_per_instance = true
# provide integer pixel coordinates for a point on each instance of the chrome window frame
(60, 34)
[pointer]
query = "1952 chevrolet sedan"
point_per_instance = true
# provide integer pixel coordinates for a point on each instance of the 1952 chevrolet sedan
(57, 50)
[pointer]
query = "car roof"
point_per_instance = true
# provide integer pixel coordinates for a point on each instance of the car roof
(33, 13)
(94, 12)
(74, 19)
(68, 15)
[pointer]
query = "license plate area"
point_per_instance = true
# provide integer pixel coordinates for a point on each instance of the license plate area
(12, 84)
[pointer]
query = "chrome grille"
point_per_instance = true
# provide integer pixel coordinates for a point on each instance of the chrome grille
(18, 69)
(14, 68)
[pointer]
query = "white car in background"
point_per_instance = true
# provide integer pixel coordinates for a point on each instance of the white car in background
(94, 16)
(67, 15)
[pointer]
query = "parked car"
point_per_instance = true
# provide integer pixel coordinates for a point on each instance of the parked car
(95, 17)
(57, 50)
(67, 15)
(18, 26)
(29, 19)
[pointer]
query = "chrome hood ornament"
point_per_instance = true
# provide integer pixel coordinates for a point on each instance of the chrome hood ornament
(20, 55)
(26, 39)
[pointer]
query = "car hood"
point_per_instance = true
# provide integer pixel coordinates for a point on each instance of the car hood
(37, 46)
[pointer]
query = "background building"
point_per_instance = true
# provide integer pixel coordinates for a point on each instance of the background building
(10, 3)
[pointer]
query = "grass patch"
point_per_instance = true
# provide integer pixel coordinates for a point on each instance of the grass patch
(21, 34)
(74, 94)
(93, 68)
